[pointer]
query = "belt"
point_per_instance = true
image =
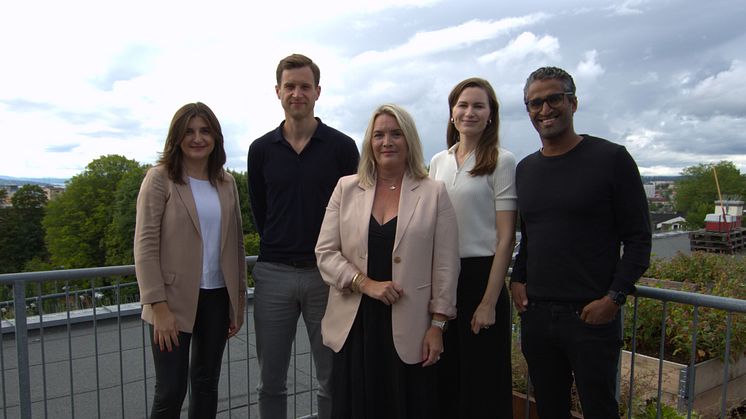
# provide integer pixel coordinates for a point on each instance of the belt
(299, 264)
(557, 306)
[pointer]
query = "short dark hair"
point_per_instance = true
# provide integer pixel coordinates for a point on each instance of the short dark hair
(547, 73)
(172, 155)
(298, 61)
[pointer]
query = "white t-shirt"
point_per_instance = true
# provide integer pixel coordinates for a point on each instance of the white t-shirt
(208, 210)
(476, 199)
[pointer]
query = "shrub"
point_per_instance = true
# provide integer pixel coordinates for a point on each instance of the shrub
(705, 273)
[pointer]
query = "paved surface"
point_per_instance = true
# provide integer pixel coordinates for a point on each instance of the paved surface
(667, 245)
(126, 375)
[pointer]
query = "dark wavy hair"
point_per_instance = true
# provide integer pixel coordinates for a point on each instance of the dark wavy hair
(548, 73)
(487, 147)
(172, 156)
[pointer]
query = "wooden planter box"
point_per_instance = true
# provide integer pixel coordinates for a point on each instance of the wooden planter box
(519, 407)
(708, 382)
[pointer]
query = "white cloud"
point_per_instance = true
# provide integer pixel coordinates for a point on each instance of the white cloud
(589, 68)
(455, 37)
(87, 78)
(722, 93)
(629, 7)
(524, 46)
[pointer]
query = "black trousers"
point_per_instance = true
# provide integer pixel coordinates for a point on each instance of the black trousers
(174, 369)
(474, 372)
(558, 345)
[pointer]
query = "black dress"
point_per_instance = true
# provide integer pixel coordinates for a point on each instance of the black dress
(369, 379)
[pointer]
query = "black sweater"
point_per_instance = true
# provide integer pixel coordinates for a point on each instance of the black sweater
(577, 211)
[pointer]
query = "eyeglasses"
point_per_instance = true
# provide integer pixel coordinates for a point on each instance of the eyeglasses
(554, 100)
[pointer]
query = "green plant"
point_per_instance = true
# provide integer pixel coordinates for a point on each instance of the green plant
(705, 273)
(650, 411)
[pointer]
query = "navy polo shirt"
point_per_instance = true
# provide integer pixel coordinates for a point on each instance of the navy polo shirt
(289, 191)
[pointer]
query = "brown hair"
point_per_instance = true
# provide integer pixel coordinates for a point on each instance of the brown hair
(171, 157)
(298, 61)
(487, 147)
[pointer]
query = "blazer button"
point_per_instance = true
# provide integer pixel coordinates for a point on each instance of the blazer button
(397, 259)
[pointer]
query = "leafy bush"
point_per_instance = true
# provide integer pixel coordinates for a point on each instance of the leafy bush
(705, 273)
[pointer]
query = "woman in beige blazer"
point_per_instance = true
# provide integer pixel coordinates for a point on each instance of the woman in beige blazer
(190, 262)
(388, 247)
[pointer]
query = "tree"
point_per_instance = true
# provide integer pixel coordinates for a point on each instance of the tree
(121, 231)
(29, 197)
(696, 192)
(77, 220)
(247, 217)
(22, 231)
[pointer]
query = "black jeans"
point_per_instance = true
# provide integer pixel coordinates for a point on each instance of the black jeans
(207, 339)
(557, 344)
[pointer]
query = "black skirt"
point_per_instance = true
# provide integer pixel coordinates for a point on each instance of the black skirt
(369, 379)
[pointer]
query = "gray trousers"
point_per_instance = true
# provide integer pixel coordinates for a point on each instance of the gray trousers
(281, 294)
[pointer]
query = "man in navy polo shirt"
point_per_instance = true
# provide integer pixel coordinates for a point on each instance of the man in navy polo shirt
(293, 170)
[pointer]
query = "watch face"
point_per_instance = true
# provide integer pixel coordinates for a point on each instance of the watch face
(619, 298)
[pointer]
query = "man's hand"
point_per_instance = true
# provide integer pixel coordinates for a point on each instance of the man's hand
(520, 299)
(599, 311)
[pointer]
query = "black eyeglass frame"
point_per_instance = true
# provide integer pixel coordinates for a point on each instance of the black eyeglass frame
(554, 97)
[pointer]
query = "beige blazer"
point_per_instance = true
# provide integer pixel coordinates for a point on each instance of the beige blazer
(425, 260)
(168, 247)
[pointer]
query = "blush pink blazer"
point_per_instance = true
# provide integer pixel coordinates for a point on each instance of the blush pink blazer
(425, 260)
(168, 247)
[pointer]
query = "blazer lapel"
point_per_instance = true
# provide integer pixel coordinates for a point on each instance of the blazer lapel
(408, 200)
(185, 194)
(363, 204)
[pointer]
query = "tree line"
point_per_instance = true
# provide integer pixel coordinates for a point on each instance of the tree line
(92, 222)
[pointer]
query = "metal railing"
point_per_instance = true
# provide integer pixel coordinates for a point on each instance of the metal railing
(94, 359)
(61, 382)
(687, 376)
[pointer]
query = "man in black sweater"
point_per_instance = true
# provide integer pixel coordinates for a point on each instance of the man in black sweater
(581, 204)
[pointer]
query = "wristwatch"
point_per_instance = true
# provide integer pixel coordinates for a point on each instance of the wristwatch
(618, 297)
(442, 324)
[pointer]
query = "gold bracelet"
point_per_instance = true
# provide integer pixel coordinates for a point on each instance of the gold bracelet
(355, 284)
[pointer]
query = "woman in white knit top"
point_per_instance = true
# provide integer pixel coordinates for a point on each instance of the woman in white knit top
(479, 175)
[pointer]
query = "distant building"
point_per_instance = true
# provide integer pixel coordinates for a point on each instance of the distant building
(10, 191)
(53, 192)
(649, 189)
(674, 224)
(663, 222)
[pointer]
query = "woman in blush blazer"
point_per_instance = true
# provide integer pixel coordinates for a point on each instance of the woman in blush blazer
(190, 262)
(388, 247)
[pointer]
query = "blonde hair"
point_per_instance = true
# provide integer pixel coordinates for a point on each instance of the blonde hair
(415, 166)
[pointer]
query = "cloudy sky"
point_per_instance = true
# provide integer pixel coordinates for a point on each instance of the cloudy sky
(81, 79)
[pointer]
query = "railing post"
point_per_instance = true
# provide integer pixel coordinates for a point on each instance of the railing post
(24, 381)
